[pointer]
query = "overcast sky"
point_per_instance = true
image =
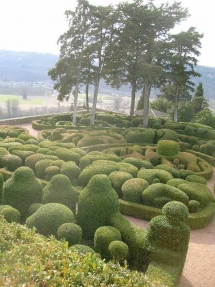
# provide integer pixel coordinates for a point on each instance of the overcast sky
(35, 25)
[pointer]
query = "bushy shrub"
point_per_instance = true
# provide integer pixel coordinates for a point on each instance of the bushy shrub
(81, 249)
(196, 178)
(23, 154)
(50, 171)
(3, 153)
(67, 155)
(11, 214)
(1, 187)
(43, 150)
(71, 170)
(104, 235)
(158, 194)
(49, 217)
(97, 167)
(176, 181)
(70, 232)
(174, 172)
(167, 148)
(129, 168)
(184, 173)
(117, 179)
(153, 157)
(150, 174)
(166, 134)
(25, 137)
(25, 147)
(60, 190)
(133, 188)
(197, 191)
(118, 250)
(22, 190)
(11, 162)
(175, 211)
(193, 206)
(34, 158)
(57, 163)
(97, 202)
(12, 134)
(56, 135)
(139, 163)
(41, 166)
(34, 207)
(143, 136)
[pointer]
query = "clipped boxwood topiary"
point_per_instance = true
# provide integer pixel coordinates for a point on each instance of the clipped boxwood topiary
(60, 190)
(118, 250)
(11, 162)
(50, 171)
(49, 217)
(97, 202)
(175, 211)
(1, 187)
(133, 188)
(34, 207)
(193, 206)
(71, 170)
(41, 166)
(22, 190)
(11, 214)
(139, 163)
(196, 178)
(117, 179)
(104, 235)
(167, 148)
(67, 155)
(83, 249)
(70, 232)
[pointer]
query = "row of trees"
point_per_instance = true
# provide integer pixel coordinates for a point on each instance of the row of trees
(130, 43)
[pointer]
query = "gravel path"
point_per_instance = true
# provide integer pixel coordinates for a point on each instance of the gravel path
(199, 269)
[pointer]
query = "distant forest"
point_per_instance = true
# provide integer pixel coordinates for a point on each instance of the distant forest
(33, 67)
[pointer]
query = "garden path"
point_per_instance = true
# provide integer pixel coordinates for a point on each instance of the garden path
(199, 269)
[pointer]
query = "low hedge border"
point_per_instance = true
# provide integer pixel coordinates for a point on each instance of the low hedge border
(208, 158)
(195, 221)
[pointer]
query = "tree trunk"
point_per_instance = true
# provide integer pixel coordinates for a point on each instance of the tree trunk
(87, 97)
(175, 118)
(95, 96)
(146, 95)
(133, 93)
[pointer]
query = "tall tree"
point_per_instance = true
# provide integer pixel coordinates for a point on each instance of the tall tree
(199, 102)
(181, 61)
(67, 72)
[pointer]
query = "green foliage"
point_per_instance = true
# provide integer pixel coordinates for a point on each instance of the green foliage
(142, 136)
(70, 232)
(139, 163)
(193, 206)
(34, 207)
(60, 190)
(34, 158)
(205, 117)
(150, 174)
(41, 166)
(175, 173)
(71, 170)
(67, 155)
(118, 178)
(21, 248)
(118, 250)
(104, 235)
(158, 194)
(97, 202)
(167, 148)
(50, 171)
(49, 217)
(12, 162)
(129, 168)
(175, 211)
(197, 191)
(56, 135)
(22, 190)
(196, 178)
(10, 214)
(133, 188)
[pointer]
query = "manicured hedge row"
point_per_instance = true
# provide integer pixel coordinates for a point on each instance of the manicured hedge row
(207, 158)
(195, 221)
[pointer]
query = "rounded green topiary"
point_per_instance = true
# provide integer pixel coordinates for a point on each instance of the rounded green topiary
(71, 170)
(167, 148)
(11, 162)
(67, 155)
(175, 211)
(49, 217)
(193, 206)
(1, 187)
(196, 178)
(97, 202)
(50, 171)
(34, 207)
(133, 188)
(118, 250)
(70, 232)
(104, 235)
(83, 249)
(11, 214)
(56, 135)
(22, 190)
(60, 190)
(139, 163)
(118, 178)
(41, 166)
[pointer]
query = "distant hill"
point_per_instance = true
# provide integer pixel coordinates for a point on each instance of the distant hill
(33, 67)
